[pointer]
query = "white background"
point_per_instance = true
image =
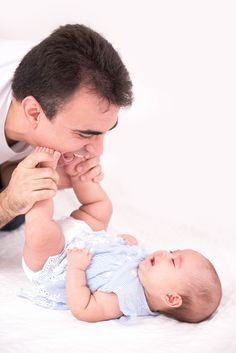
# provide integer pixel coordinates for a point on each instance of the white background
(180, 147)
(169, 165)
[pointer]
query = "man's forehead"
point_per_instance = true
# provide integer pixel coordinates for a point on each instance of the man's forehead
(79, 120)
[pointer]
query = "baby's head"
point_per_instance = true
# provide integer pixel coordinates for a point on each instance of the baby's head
(182, 284)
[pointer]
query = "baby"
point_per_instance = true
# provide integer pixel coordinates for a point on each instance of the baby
(74, 264)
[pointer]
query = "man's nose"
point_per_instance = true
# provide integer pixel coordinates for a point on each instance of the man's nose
(95, 145)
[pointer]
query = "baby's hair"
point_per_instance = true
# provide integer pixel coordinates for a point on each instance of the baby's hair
(201, 296)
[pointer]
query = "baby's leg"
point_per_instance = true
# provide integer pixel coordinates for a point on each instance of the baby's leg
(71, 168)
(43, 236)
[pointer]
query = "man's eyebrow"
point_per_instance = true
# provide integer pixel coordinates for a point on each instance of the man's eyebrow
(93, 132)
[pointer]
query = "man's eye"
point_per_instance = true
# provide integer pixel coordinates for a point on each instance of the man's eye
(85, 136)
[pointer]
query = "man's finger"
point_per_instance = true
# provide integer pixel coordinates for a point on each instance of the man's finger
(35, 158)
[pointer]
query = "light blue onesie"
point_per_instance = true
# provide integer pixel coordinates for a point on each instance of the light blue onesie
(113, 268)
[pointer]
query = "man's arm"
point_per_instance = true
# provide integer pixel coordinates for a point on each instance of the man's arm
(6, 170)
(6, 215)
(84, 305)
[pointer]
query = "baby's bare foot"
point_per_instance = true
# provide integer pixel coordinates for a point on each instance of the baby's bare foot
(51, 164)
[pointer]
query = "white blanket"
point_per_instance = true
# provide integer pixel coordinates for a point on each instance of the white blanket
(26, 328)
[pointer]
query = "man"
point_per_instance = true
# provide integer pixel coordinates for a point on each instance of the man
(65, 94)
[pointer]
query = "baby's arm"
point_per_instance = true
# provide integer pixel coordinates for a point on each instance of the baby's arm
(84, 305)
(43, 237)
(96, 207)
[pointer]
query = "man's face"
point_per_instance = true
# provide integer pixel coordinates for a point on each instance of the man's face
(80, 124)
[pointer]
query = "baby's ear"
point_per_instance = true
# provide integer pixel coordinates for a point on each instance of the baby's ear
(173, 300)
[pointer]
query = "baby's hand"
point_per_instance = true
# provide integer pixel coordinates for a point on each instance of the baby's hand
(83, 167)
(79, 258)
(71, 163)
(129, 238)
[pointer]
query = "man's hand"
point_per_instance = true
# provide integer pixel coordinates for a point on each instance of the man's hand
(29, 184)
(79, 259)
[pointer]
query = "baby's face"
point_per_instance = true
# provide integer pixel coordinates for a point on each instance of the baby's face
(164, 272)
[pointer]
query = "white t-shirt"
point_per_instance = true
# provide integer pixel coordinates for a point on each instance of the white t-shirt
(11, 53)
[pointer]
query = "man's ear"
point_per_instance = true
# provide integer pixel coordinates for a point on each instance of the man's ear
(174, 300)
(32, 110)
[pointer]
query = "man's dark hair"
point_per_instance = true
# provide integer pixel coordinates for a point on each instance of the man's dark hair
(73, 56)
